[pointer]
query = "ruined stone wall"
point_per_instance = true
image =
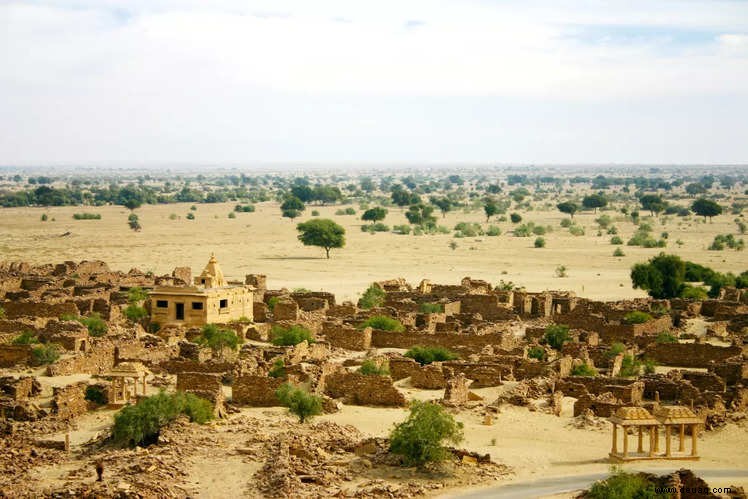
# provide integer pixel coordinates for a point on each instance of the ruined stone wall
(343, 336)
(176, 366)
(488, 306)
(733, 371)
(256, 391)
(11, 355)
(286, 310)
(630, 392)
(98, 359)
(689, 354)
(429, 377)
(358, 389)
(483, 374)
(403, 367)
(19, 388)
(69, 401)
(472, 343)
(17, 309)
(148, 355)
(203, 385)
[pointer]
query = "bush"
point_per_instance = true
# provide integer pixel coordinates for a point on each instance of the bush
(493, 231)
(136, 294)
(45, 217)
(540, 242)
(278, 370)
(377, 227)
(427, 355)
(232, 214)
(618, 252)
(403, 230)
(315, 213)
(96, 395)
(25, 338)
(272, 302)
(624, 485)
(583, 370)
(217, 338)
(431, 308)
(615, 349)
(190, 216)
(636, 317)
(515, 218)
(566, 223)
(649, 366)
(629, 367)
(420, 438)
(87, 216)
(95, 324)
(666, 337)
(244, 209)
(299, 402)
(141, 423)
(372, 297)
(576, 230)
(290, 336)
(135, 313)
(44, 354)
(382, 322)
(616, 240)
(556, 335)
(537, 352)
(694, 293)
(2, 313)
(467, 229)
(370, 368)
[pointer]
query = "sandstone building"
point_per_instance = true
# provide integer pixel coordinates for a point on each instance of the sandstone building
(210, 300)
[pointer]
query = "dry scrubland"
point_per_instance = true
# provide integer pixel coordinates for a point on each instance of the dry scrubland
(264, 242)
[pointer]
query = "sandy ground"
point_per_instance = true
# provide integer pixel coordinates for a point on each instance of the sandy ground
(263, 242)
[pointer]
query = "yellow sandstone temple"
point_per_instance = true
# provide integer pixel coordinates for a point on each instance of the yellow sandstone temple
(210, 300)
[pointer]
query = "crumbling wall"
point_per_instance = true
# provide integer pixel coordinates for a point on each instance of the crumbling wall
(343, 336)
(97, 360)
(359, 389)
(69, 401)
(689, 354)
(256, 391)
(17, 309)
(473, 343)
(11, 355)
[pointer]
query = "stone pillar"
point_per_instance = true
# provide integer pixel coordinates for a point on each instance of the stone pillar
(651, 441)
(640, 447)
(694, 434)
(657, 439)
(144, 385)
(682, 443)
(625, 442)
(667, 441)
(614, 449)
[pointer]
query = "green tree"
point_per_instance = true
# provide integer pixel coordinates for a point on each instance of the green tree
(595, 201)
(374, 215)
(322, 232)
(568, 207)
(217, 338)
(421, 437)
(444, 204)
(556, 335)
(372, 297)
(662, 277)
(706, 208)
(292, 204)
(653, 203)
(490, 208)
(299, 402)
(420, 214)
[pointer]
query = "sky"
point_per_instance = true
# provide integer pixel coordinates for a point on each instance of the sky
(229, 82)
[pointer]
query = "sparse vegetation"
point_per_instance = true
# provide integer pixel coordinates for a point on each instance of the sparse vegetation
(637, 317)
(217, 338)
(290, 336)
(45, 354)
(382, 322)
(87, 216)
(556, 335)
(583, 370)
(421, 437)
(299, 402)
(373, 297)
(427, 355)
(371, 368)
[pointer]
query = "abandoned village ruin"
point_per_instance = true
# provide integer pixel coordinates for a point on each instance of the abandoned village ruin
(492, 331)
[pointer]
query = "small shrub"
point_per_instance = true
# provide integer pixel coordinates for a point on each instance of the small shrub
(649, 366)
(666, 337)
(272, 302)
(141, 423)
(278, 370)
(232, 214)
(373, 297)
(290, 336)
(402, 230)
(87, 216)
(25, 338)
(190, 216)
(515, 218)
(583, 370)
(299, 402)
(629, 367)
(636, 317)
(217, 338)
(427, 355)
(136, 294)
(376, 227)
(561, 271)
(96, 395)
(382, 322)
(616, 240)
(624, 485)
(44, 217)
(452, 245)
(420, 438)
(556, 335)
(618, 252)
(45, 354)
(193, 208)
(2, 313)
(135, 313)
(566, 223)
(430, 308)
(96, 325)
(537, 352)
(694, 293)
(244, 208)
(615, 349)
(493, 231)
(173, 216)
(576, 230)
(315, 213)
(370, 368)
(540, 242)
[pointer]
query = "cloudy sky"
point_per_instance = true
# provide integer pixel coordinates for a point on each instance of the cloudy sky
(495, 81)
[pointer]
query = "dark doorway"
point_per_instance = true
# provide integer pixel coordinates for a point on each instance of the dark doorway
(180, 311)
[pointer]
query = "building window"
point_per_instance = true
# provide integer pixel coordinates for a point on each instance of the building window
(197, 305)
(202, 281)
(162, 304)
(224, 303)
